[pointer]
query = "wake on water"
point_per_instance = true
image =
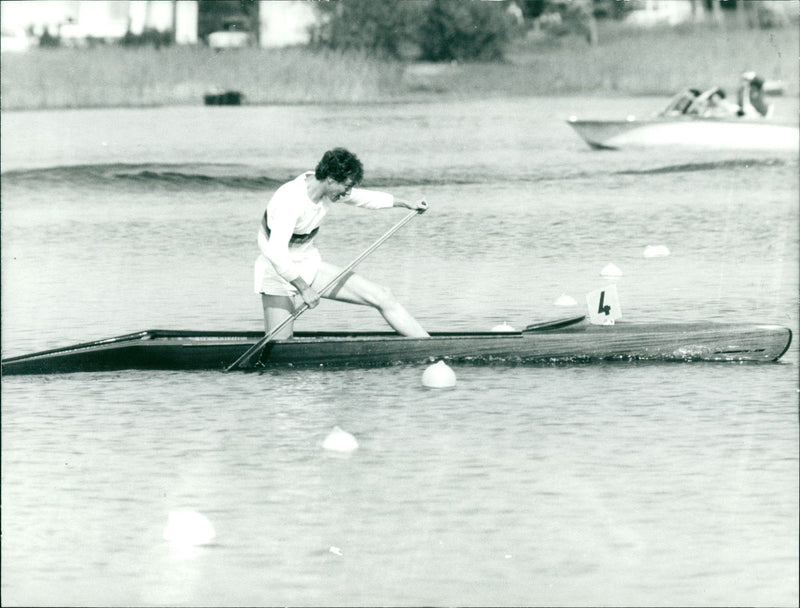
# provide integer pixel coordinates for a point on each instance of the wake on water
(709, 166)
(210, 176)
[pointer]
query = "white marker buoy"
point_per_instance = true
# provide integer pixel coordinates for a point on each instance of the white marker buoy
(565, 300)
(188, 528)
(439, 375)
(656, 251)
(339, 440)
(503, 327)
(611, 270)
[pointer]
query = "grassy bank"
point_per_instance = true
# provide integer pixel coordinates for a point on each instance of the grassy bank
(116, 76)
(626, 61)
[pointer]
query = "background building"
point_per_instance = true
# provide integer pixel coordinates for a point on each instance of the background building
(77, 22)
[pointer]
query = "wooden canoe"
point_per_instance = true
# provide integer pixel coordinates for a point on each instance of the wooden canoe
(571, 340)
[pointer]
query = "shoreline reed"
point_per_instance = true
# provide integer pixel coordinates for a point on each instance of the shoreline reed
(626, 62)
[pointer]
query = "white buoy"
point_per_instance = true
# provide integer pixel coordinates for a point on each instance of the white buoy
(339, 440)
(188, 529)
(656, 251)
(503, 327)
(439, 375)
(565, 300)
(335, 550)
(611, 270)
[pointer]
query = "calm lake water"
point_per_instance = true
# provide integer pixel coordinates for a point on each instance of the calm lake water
(624, 483)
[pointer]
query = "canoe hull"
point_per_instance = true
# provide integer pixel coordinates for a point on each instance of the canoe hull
(582, 342)
(741, 134)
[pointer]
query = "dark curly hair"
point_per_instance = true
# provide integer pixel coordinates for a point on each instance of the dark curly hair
(340, 164)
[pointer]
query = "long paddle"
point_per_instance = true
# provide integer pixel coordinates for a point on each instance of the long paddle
(254, 352)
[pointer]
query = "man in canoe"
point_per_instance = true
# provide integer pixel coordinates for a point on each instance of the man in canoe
(290, 263)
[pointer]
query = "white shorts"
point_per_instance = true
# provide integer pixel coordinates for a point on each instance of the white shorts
(267, 280)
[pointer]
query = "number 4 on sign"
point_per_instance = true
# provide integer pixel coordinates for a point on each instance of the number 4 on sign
(604, 306)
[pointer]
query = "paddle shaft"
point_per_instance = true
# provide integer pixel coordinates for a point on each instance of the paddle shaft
(255, 351)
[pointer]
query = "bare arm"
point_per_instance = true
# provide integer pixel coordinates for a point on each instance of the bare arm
(372, 199)
(420, 205)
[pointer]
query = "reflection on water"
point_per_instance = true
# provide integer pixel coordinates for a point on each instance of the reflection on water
(614, 484)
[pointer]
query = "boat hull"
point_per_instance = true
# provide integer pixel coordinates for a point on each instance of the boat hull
(741, 134)
(577, 343)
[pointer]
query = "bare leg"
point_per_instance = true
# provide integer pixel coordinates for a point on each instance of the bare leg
(358, 290)
(276, 309)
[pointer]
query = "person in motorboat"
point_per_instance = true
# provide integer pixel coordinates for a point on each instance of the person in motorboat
(712, 104)
(290, 264)
(752, 97)
(678, 105)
